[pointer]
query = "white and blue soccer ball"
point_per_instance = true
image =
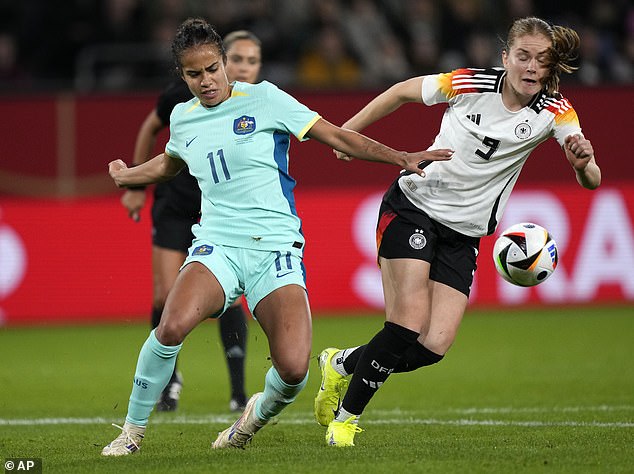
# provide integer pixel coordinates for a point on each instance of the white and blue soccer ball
(525, 254)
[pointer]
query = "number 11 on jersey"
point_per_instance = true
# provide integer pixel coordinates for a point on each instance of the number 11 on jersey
(212, 162)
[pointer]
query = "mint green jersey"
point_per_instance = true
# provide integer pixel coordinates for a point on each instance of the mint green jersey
(238, 152)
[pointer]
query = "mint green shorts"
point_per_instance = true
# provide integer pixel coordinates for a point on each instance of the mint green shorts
(254, 273)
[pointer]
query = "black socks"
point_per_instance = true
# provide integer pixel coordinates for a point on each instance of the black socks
(233, 332)
(376, 362)
(415, 357)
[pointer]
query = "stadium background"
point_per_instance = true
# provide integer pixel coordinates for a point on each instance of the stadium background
(79, 77)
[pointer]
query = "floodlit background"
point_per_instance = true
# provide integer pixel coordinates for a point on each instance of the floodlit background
(78, 77)
(539, 379)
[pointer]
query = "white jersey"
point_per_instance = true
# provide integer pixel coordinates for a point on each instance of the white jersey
(469, 192)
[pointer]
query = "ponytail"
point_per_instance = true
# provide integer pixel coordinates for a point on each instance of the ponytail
(562, 54)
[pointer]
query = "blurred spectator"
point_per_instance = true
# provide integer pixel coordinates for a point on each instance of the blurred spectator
(604, 57)
(9, 68)
(390, 64)
(590, 68)
(421, 20)
(480, 50)
(459, 21)
(375, 42)
(122, 21)
(628, 47)
(424, 53)
(327, 64)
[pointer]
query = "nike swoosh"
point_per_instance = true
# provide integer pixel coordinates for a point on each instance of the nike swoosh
(280, 275)
(189, 142)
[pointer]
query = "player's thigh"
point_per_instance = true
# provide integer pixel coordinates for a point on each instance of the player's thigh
(222, 264)
(284, 315)
(406, 248)
(195, 296)
(447, 309)
(165, 266)
(406, 289)
(451, 274)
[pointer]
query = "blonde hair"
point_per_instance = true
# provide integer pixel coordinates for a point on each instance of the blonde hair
(565, 43)
(240, 35)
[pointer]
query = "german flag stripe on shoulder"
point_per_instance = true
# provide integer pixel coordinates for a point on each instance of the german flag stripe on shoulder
(471, 80)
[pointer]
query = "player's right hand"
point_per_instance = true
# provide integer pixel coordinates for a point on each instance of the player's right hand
(416, 162)
(115, 168)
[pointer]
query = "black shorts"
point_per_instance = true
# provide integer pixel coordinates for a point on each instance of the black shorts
(170, 228)
(404, 231)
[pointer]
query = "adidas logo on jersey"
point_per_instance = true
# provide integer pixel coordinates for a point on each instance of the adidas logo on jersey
(475, 118)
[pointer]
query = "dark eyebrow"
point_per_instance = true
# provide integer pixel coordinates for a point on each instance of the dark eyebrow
(196, 70)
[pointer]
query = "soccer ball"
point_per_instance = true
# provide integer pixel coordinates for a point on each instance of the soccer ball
(525, 254)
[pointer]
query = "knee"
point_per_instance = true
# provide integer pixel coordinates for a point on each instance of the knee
(170, 331)
(439, 342)
(438, 347)
(293, 375)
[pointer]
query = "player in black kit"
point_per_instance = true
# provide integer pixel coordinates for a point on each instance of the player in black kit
(176, 208)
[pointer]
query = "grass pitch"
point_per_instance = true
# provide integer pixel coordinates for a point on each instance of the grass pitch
(540, 390)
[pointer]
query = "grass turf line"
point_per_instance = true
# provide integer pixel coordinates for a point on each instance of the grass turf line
(521, 391)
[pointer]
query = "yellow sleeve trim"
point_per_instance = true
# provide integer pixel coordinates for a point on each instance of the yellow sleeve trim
(193, 107)
(308, 126)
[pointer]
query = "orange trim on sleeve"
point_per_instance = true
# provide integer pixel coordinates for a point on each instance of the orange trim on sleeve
(569, 116)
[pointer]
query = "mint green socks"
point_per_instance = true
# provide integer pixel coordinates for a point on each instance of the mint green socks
(277, 395)
(153, 370)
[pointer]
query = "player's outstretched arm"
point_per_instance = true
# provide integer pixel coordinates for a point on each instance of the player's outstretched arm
(387, 102)
(580, 155)
(160, 168)
(354, 144)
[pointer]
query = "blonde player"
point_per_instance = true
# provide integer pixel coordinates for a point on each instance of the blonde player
(429, 228)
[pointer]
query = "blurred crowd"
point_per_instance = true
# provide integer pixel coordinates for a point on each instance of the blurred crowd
(96, 45)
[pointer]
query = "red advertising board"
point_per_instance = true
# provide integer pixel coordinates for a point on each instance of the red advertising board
(84, 260)
(78, 135)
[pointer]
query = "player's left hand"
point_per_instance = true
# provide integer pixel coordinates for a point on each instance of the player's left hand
(578, 151)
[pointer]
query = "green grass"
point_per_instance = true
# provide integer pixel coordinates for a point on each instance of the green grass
(539, 390)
